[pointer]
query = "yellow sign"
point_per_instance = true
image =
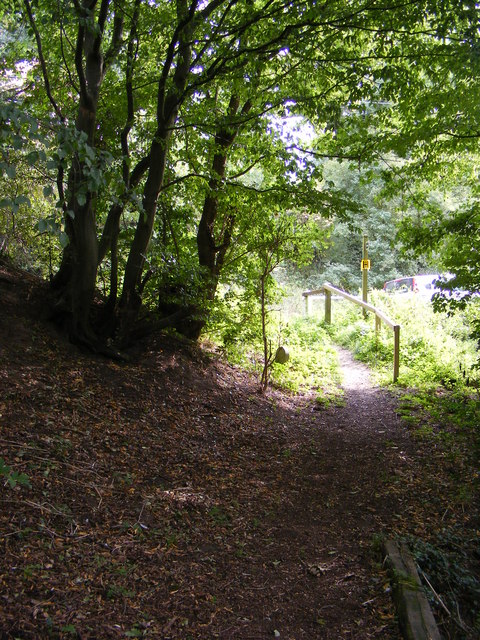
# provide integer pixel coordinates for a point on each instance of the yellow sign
(365, 265)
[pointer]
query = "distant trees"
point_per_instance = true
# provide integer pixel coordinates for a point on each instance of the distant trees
(419, 139)
(430, 120)
(372, 212)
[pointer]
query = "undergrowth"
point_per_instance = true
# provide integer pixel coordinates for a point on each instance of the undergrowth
(312, 364)
(435, 349)
(447, 571)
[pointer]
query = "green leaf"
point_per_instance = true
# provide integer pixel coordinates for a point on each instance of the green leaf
(63, 239)
(15, 478)
(4, 468)
(42, 225)
(32, 158)
(19, 200)
(6, 203)
(12, 477)
(69, 628)
(17, 142)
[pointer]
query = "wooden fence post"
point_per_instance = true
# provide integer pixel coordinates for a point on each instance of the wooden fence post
(396, 352)
(328, 307)
(307, 304)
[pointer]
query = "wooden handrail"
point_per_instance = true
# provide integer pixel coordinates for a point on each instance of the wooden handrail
(380, 317)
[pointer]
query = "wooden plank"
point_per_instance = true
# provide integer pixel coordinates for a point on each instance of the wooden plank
(369, 307)
(307, 305)
(328, 307)
(415, 616)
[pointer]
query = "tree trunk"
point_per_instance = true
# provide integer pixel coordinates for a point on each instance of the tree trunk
(267, 353)
(212, 246)
(207, 245)
(168, 105)
(131, 300)
(76, 279)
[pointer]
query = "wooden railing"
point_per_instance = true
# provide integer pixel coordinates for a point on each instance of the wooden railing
(380, 317)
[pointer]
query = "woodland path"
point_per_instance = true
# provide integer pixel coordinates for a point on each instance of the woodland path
(367, 405)
(170, 500)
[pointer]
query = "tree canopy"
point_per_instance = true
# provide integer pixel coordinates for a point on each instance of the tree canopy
(155, 140)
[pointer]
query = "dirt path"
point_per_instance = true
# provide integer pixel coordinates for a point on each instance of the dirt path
(168, 499)
(340, 503)
(356, 376)
(335, 501)
(370, 410)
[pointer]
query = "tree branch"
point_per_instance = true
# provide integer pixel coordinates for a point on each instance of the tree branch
(116, 41)
(41, 58)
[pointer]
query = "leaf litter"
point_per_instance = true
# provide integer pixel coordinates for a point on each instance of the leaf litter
(169, 499)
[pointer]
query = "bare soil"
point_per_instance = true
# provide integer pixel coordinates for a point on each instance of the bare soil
(169, 499)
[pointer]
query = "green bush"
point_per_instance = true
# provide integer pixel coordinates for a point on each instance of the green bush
(436, 349)
(312, 364)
